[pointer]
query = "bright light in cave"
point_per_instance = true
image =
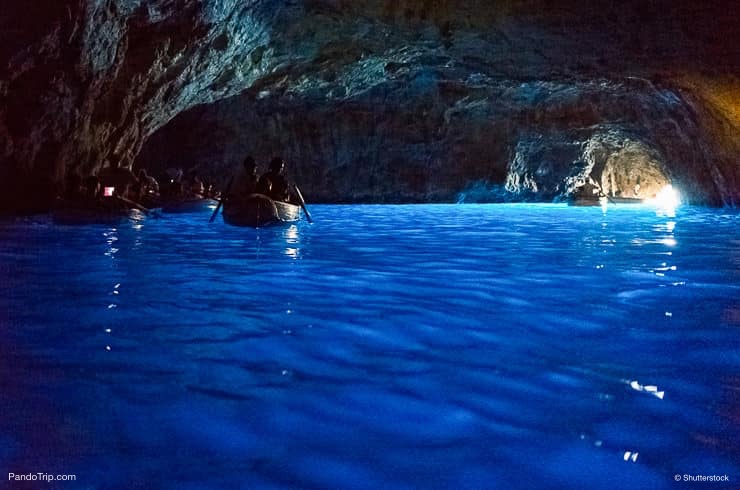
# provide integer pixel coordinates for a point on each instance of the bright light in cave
(667, 198)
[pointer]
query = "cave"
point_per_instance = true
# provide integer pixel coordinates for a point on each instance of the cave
(481, 244)
(368, 102)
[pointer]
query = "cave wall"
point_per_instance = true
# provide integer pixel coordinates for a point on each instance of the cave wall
(517, 101)
(370, 100)
(484, 140)
(85, 81)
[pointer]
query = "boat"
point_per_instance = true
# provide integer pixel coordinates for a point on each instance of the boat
(191, 205)
(595, 200)
(67, 213)
(257, 210)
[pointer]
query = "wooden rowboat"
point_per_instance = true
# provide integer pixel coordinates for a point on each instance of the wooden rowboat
(68, 213)
(257, 210)
(600, 201)
(188, 205)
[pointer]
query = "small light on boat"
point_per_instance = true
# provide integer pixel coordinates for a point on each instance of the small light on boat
(667, 198)
(107, 347)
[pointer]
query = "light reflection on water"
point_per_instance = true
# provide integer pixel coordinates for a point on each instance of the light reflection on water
(383, 346)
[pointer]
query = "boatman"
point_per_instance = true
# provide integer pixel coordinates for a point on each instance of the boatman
(275, 181)
(246, 180)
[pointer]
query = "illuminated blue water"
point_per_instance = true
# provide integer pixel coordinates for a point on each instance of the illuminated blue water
(474, 346)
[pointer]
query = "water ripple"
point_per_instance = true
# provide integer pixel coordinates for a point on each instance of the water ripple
(382, 346)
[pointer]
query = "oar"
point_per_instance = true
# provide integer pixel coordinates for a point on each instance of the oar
(221, 201)
(303, 203)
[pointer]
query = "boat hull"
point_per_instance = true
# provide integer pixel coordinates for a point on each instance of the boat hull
(600, 201)
(258, 210)
(189, 206)
(82, 216)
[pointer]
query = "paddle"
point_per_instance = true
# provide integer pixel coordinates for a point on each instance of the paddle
(302, 203)
(221, 201)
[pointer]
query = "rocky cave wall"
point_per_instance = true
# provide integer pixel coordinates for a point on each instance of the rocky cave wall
(512, 101)
(85, 81)
(375, 100)
(480, 140)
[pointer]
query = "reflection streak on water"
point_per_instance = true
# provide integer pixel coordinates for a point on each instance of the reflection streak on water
(112, 237)
(292, 238)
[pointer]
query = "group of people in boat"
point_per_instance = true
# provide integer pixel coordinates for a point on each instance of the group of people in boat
(272, 183)
(187, 186)
(117, 186)
(113, 181)
(142, 190)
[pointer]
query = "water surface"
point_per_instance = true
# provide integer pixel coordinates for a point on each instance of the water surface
(446, 346)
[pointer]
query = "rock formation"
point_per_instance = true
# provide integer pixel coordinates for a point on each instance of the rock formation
(84, 81)
(378, 100)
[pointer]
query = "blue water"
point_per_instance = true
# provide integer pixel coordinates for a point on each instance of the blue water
(473, 346)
